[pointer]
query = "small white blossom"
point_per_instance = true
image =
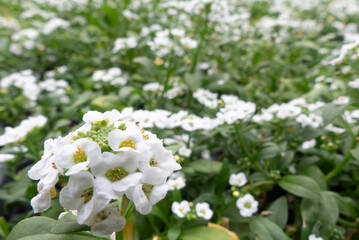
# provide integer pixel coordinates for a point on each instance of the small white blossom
(309, 144)
(247, 205)
(341, 100)
(203, 210)
(238, 179)
(180, 208)
(313, 237)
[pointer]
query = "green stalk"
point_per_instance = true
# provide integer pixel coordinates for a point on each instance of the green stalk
(202, 38)
(256, 166)
(129, 210)
(346, 223)
(346, 159)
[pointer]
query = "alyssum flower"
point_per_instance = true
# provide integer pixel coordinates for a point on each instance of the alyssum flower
(105, 159)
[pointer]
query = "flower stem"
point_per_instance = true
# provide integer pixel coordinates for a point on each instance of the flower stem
(129, 210)
(340, 166)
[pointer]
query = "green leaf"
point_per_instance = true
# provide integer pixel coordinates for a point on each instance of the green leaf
(355, 154)
(280, 211)
(330, 112)
(200, 233)
(148, 66)
(156, 211)
(31, 226)
(50, 236)
(222, 179)
(301, 186)
(174, 232)
(107, 102)
(174, 148)
(4, 229)
(205, 166)
(266, 229)
(347, 206)
(324, 210)
(68, 224)
(317, 175)
(194, 81)
(270, 150)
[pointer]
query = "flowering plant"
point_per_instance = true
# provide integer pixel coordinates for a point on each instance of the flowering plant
(105, 159)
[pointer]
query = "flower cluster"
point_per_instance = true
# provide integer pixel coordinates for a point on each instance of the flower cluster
(15, 134)
(185, 209)
(104, 159)
(113, 76)
(246, 204)
(24, 80)
(171, 40)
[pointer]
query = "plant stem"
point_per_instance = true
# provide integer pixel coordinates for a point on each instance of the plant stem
(346, 223)
(340, 166)
(129, 210)
(202, 38)
(130, 207)
(241, 142)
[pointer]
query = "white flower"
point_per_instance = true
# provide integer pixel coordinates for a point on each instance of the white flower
(176, 182)
(180, 208)
(203, 210)
(4, 157)
(206, 97)
(95, 116)
(78, 156)
(81, 193)
(106, 221)
(309, 144)
(145, 195)
(341, 100)
(73, 212)
(354, 84)
(116, 173)
(330, 127)
(313, 237)
(45, 171)
(311, 120)
(153, 86)
(54, 24)
(184, 151)
(16, 134)
(264, 117)
(247, 205)
(238, 179)
(288, 110)
(130, 139)
(344, 51)
(160, 162)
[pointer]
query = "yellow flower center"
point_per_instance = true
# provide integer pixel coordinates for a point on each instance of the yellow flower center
(116, 174)
(79, 156)
(87, 194)
(128, 143)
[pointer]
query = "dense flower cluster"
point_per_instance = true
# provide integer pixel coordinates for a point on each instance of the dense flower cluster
(104, 159)
(15, 134)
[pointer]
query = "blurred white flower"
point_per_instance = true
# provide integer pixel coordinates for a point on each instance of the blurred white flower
(238, 179)
(54, 24)
(247, 205)
(203, 210)
(341, 100)
(180, 208)
(176, 181)
(309, 144)
(313, 237)
(5, 157)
